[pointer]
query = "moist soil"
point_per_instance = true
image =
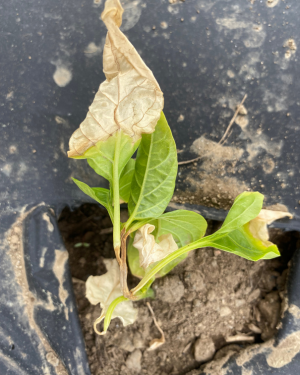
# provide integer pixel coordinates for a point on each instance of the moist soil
(212, 303)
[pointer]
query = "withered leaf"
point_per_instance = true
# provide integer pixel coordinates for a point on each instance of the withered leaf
(150, 251)
(258, 226)
(129, 100)
(104, 289)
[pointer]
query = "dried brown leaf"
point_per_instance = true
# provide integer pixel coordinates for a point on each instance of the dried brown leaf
(130, 99)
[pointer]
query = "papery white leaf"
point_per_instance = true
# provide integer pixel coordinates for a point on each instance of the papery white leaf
(130, 99)
(150, 251)
(106, 288)
(258, 226)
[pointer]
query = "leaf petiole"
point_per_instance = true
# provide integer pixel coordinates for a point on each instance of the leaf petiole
(110, 311)
(144, 293)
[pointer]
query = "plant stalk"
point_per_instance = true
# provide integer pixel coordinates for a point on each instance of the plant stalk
(116, 197)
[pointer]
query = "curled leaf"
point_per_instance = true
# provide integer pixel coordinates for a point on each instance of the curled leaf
(105, 289)
(258, 226)
(129, 100)
(150, 251)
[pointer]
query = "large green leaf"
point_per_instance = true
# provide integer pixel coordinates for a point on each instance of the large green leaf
(133, 259)
(246, 207)
(155, 172)
(185, 226)
(100, 195)
(241, 242)
(126, 180)
(101, 156)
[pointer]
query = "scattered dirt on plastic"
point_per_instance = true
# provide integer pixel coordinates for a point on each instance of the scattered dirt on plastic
(62, 75)
(214, 192)
(272, 3)
(285, 351)
(61, 257)
(290, 47)
(208, 184)
(26, 298)
(222, 296)
(268, 165)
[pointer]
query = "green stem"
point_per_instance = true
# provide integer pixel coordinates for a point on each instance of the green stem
(168, 259)
(116, 194)
(137, 225)
(110, 310)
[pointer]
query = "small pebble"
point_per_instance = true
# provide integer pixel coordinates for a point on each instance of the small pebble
(204, 349)
(225, 311)
(133, 361)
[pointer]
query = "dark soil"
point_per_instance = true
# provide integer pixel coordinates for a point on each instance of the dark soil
(219, 296)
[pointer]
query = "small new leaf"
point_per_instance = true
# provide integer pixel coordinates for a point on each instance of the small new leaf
(100, 195)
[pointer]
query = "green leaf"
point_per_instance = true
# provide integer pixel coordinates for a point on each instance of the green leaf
(100, 195)
(185, 226)
(234, 236)
(155, 172)
(126, 179)
(134, 260)
(101, 156)
(241, 242)
(246, 207)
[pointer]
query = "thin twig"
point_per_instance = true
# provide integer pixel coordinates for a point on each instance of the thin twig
(189, 161)
(223, 139)
(239, 338)
(156, 342)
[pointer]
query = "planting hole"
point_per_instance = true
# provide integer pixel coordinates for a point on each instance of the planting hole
(219, 302)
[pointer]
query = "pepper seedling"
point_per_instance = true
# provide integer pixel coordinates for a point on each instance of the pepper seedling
(126, 116)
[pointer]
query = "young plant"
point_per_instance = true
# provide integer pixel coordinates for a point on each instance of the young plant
(125, 116)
